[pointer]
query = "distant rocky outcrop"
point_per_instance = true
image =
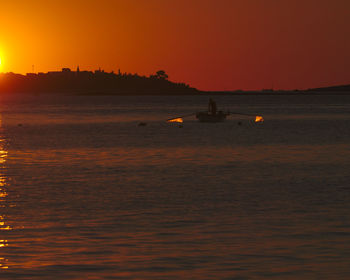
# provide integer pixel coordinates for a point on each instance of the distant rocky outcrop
(97, 82)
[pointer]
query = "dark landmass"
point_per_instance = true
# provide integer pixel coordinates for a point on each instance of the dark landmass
(335, 90)
(100, 82)
(341, 88)
(93, 83)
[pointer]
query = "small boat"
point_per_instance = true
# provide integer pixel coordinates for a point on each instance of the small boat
(212, 115)
(209, 117)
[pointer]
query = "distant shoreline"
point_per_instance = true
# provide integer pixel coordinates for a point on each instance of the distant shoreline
(99, 82)
(188, 93)
(280, 92)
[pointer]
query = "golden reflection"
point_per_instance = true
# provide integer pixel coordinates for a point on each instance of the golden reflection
(3, 263)
(177, 120)
(3, 192)
(3, 154)
(259, 119)
(3, 225)
(3, 195)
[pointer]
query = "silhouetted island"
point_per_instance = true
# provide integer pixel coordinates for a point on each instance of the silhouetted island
(100, 82)
(88, 82)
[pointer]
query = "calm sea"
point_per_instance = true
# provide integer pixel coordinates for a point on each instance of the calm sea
(86, 193)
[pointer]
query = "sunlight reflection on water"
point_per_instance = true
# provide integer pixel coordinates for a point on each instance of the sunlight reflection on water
(3, 195)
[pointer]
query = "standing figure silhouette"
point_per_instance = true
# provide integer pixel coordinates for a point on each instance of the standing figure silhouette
(212, 106)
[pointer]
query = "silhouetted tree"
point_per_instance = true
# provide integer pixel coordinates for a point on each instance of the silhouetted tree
(161, 75)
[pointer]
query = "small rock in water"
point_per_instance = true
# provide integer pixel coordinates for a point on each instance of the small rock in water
(20, 124)
(142, 124)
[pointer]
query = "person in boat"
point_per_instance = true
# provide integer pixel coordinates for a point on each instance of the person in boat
(212, 107)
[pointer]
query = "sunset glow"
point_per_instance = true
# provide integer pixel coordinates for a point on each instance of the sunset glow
(212, 45)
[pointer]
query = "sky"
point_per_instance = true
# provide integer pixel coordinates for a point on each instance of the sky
(209, 44)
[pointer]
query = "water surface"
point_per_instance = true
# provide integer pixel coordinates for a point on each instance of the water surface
(85, 193)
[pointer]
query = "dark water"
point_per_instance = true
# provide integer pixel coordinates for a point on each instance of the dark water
(87, 194)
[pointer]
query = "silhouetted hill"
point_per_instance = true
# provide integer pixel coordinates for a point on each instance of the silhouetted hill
(97, 82)
(341, 88)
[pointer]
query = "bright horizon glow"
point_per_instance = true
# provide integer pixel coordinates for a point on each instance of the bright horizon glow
(209, 44)
(1, 56)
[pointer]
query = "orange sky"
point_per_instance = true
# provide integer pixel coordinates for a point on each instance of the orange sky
(210, 44)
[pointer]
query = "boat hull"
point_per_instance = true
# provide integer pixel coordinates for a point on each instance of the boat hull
(211, 118)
